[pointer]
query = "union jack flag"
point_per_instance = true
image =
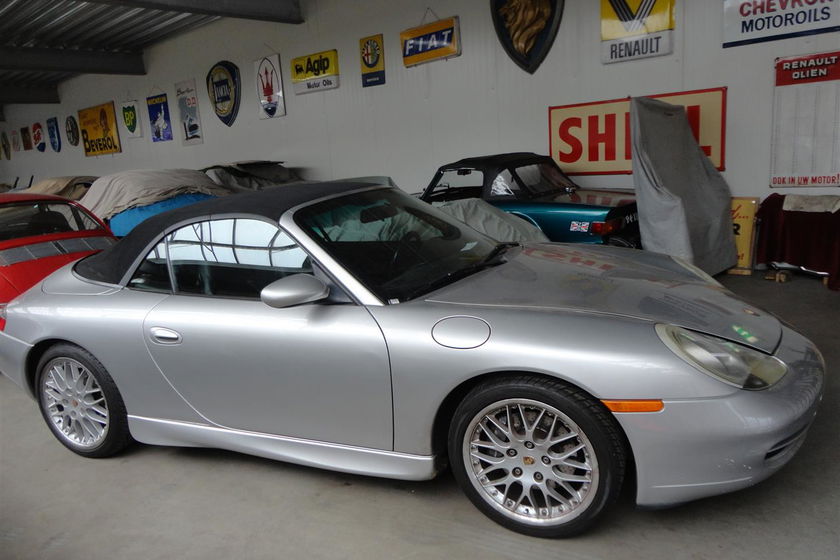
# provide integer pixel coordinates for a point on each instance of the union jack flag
(579, 226)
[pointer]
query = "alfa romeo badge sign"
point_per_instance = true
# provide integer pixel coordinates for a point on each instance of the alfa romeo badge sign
(55, 134)
(224, 90)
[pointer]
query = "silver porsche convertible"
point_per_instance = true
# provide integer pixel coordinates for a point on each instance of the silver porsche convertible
(353, 327)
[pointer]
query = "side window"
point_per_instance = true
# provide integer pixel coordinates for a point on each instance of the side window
(504, 185)
(232, 258)
(152, 274)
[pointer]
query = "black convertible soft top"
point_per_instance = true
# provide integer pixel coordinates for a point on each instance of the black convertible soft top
(113, 263)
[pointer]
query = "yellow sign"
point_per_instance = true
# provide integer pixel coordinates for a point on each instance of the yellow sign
(628, 18)
(315, 72)
(434, 41)
(594, 138)
(633, 29)
(372, 59)
(99, 130)
(743, 224)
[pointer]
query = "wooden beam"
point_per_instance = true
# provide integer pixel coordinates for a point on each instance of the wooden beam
(19, 94)
(73, 61)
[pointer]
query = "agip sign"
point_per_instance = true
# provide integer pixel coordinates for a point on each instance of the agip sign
(594, 138)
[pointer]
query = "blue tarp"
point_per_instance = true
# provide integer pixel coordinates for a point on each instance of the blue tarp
(127, 220)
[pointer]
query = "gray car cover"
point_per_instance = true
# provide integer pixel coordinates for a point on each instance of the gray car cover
(684, 203)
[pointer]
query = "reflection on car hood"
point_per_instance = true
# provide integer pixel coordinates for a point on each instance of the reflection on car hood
(594, 197)
(611, 280)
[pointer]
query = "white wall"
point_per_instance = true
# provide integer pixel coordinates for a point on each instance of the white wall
(425, 116)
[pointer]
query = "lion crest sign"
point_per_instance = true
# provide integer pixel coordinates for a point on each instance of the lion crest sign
(526, 29)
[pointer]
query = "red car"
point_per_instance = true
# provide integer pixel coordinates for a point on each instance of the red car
(39, 234)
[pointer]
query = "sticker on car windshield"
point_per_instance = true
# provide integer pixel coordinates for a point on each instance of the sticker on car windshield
(579, 226)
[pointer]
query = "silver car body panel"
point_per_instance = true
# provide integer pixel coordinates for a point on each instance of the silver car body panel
(344, 458)
(357, 387)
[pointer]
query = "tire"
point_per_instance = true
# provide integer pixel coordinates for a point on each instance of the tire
(520, 478)
(80, 402)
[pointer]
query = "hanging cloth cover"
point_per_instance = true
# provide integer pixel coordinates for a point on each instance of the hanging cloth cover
(684, 202)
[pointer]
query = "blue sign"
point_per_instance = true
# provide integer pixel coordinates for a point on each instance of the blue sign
(55, 134)
(224, 90)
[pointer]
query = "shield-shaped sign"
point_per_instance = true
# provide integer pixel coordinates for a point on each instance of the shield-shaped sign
(38, 137)
(5, 147)
(71, 127)
(130, 118)
(224, 89)
(55, 134)
(527, 28)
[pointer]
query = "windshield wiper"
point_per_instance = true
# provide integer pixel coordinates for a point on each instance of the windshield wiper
(492, 259)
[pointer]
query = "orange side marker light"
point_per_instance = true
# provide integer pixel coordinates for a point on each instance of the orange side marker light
(635, 405)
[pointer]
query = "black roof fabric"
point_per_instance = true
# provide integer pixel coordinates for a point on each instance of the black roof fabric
(113, 263)
(495, 161)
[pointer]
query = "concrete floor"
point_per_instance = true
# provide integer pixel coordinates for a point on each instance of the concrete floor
(165, 503)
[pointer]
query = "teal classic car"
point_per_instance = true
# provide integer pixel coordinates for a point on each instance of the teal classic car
(534, 188)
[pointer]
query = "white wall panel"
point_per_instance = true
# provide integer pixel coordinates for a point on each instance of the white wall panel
(425, 116)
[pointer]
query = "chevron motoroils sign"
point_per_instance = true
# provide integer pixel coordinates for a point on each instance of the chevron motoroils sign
(633, 29)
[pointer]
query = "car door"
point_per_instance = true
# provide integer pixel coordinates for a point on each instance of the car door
(316, 371)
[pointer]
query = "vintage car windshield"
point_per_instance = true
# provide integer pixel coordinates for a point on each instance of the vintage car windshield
(543, 178)
(27, 219)
(398, 247)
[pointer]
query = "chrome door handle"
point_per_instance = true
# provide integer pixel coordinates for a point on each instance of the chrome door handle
(165, 336)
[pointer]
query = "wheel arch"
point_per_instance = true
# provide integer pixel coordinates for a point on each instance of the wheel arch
(32, 359)
(446, 411)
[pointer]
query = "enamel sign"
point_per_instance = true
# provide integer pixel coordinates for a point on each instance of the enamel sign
(806, 121)
(526, 29)
(594, 138)
(270, 87)
(130, 119)
(633, 29)
(160, 122)
(54, 133)
(26, 138)
(4, 145)
(15, 141)
(185, 93)
(71, 129)
(372, 58)
(224, 89)
(756, 21)
(438, 40)
(99, 130)
(315, 72)
(743, 213)
(38, 141)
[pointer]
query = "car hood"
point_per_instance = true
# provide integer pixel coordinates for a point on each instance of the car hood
(594, 197)
(614, 281)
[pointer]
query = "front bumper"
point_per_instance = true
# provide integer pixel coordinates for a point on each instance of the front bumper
(698, 448)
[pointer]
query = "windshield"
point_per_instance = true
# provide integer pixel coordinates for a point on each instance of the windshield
(543, 178)
(27, 219)
(397, 246)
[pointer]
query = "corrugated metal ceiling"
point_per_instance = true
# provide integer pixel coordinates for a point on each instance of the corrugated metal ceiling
(84, 26)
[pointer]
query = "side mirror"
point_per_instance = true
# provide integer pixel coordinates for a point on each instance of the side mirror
(294, 290)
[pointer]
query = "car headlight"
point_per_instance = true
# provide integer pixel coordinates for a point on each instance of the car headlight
(696, 271)
(732, 363)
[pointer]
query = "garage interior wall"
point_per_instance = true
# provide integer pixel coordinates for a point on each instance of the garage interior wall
(423, 117)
